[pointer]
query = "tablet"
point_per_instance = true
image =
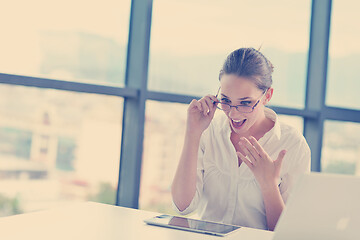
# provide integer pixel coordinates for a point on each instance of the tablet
(200, 226)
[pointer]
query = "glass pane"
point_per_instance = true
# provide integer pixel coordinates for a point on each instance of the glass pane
(57, 147)
(84, 41)
(186, 53)
(163, 140)
(344, 52)
(294, 121)
(341, 148)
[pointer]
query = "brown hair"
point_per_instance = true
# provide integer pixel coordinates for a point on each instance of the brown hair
(250, 63)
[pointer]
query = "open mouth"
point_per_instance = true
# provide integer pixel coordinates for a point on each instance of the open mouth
(238, 123)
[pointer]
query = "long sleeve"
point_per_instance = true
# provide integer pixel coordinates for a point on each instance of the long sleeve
(301, 158)
(199, 183)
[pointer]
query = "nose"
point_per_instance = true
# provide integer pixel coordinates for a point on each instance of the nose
(233, 112)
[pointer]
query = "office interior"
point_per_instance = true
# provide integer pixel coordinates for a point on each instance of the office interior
(94, 94)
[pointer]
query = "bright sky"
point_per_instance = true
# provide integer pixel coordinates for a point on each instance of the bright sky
(21, 21)
(222, 26)
(106, 17)
(345, 28)
(183, 27)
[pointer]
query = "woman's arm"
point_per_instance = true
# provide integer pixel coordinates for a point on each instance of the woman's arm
(200, 113)
(267, 173)
(184, 184)
(274, 204)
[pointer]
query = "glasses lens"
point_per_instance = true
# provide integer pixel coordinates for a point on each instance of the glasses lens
(244, 109)
(227, 107)
(224, 106)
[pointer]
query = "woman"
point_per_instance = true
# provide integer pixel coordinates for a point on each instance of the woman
(240, 166)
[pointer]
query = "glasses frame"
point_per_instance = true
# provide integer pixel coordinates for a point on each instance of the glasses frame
(251, 109)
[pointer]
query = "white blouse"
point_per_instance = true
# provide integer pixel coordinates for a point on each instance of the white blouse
(228, 193)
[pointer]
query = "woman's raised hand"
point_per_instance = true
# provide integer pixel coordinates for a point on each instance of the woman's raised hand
(200, 113)
(265, 169)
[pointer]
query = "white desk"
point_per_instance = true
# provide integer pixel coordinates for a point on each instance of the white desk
(90, 221)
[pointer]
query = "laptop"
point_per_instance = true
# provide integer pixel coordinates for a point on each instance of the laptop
(321, 206)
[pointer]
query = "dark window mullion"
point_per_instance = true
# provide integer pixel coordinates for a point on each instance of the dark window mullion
(316, 78)
(67, 85)
(134, 108)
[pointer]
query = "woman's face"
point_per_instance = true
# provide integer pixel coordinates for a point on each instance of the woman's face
(242, 91)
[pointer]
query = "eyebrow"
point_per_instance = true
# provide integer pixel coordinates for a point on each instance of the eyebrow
(238, 98)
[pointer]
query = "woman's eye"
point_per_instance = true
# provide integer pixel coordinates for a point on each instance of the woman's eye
(225, 100)
(246, 103)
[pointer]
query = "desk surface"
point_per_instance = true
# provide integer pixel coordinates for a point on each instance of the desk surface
(100, 221)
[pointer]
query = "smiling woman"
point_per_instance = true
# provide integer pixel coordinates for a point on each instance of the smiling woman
(239, 167)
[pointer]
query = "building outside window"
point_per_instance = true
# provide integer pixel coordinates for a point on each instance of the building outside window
(65, 81)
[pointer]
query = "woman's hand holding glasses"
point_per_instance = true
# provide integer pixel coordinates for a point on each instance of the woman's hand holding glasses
(200, 113)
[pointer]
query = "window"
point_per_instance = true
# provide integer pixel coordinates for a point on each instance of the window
(294, 121)
(68, 143)
(65, 40)
(344, 52)
(57, 147)
(187, 51)
(341, 148)
(163, 140)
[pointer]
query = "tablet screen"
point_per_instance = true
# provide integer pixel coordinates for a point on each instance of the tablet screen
(192, 224)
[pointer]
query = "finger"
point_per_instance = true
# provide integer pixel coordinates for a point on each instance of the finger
(247, 152)
(280, 158)
(195, 104)
(213, 99)
(258, 147)
(251, 148)
(212, 112)
(245, 160)
(209, 102)
(205, 108)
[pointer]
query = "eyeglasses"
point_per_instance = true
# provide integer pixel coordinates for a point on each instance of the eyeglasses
(224, 106)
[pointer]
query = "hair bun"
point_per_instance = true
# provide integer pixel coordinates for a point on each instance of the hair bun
(251, 63)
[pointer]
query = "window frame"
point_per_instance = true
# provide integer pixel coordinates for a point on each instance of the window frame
(135, 94)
